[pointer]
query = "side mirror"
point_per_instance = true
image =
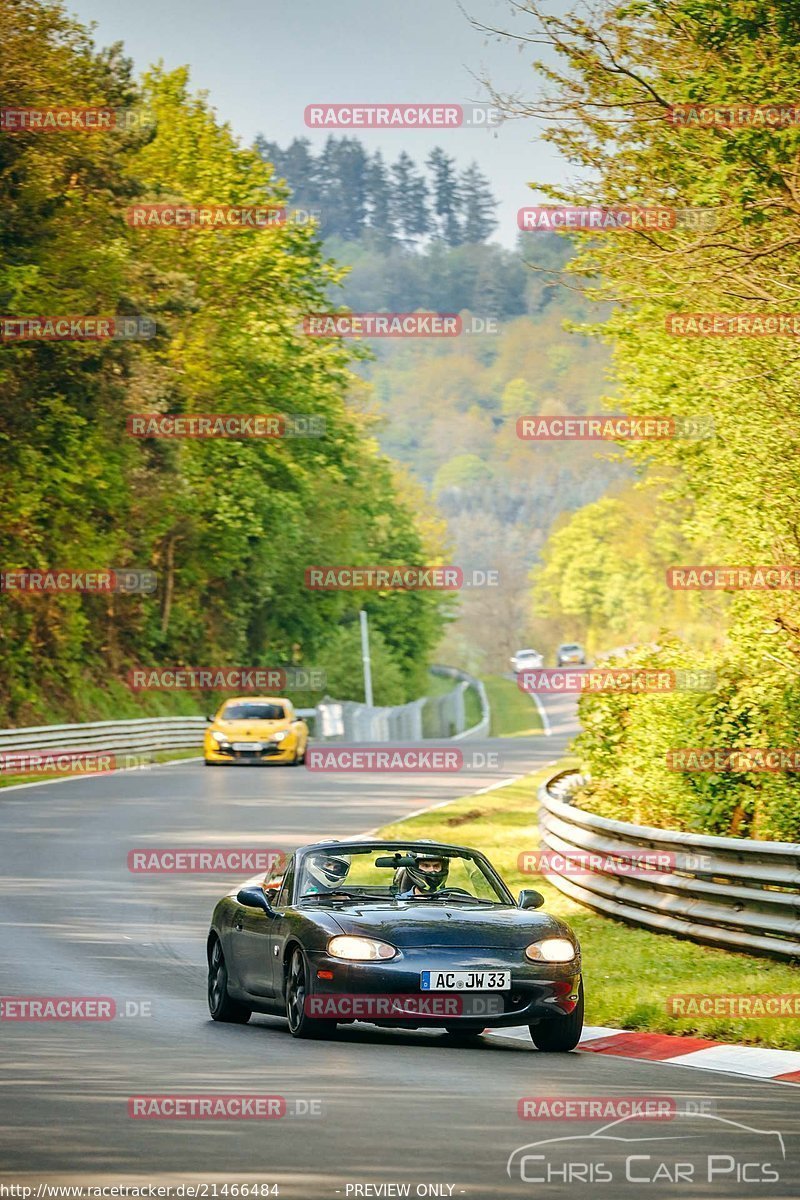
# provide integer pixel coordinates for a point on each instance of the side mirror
(530, 898)
(209, 718)
(253, 897)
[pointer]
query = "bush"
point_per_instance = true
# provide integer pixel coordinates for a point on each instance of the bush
(626, 739)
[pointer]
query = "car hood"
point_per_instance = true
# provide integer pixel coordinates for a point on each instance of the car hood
(251, 728)
(413, 923)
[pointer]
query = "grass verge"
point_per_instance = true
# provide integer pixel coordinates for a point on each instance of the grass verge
(441, 685)
(42, 777)
(629, 972)
(472, 707)
(514, 714)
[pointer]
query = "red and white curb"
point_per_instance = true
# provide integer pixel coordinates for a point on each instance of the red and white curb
(759, 1062)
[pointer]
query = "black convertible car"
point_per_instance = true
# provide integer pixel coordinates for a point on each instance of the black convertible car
(403, 934)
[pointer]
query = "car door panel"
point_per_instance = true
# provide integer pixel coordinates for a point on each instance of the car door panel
(253, 932)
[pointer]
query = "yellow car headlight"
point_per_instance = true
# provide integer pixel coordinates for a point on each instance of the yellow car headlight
(360, 949)
(554, 950)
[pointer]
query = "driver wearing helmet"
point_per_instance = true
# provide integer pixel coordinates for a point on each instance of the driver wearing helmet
(424, 874)
(325, 872)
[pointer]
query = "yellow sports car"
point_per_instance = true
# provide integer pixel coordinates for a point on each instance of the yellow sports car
(255, 729)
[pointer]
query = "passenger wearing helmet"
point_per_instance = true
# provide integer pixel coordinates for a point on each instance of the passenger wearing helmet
(423, 875)
(325, 873)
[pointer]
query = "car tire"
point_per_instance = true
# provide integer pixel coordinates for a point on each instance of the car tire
(299, 759)
(220, 1004)
(557, 1035)
(296, 991)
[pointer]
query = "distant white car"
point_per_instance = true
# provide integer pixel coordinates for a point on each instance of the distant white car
(570, 652)
(526, 660)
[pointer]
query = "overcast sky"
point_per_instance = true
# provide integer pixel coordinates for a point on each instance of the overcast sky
(263, 61)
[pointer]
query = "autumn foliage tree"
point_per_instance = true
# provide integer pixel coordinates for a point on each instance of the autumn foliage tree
(229, 526)
(615, 77)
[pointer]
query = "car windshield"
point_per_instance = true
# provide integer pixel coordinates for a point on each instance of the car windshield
(389, 875)
(252, 712)
(568, 646)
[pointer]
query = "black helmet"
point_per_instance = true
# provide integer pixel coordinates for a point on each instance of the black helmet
(431, 877)
(328, 869)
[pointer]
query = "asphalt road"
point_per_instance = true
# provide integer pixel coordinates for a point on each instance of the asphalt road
(366, 1109)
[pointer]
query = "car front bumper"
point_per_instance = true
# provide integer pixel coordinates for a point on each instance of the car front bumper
(539, 991)
(269, 753)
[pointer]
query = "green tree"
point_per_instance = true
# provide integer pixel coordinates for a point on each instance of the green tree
(409, 199)
(610, 109)
(229, 526)
(477, 205)
(446, 193)
(380, 222)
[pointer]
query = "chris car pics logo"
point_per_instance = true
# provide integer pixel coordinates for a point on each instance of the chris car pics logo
(700, 1150)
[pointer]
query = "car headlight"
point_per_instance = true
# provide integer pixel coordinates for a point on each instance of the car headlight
(218, 737)
(360, 949)
(554, 950)
(279, 736)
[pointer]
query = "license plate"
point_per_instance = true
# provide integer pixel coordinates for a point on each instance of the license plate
(247, 747)
(465, 981)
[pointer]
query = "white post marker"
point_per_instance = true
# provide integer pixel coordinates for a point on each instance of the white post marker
(366, 659)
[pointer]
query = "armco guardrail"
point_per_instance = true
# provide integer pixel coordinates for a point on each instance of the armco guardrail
(352, 722)
(431, 716)
(732, 892)
(467, 681)
(140, 736)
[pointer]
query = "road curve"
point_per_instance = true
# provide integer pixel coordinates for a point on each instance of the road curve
(393, 1108)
